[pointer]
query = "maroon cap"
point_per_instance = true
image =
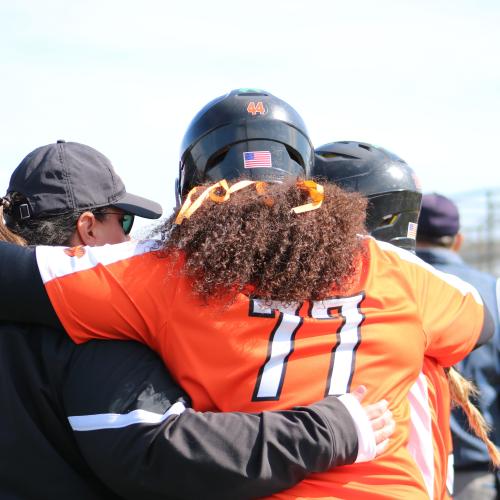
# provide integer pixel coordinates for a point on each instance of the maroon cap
(438, 216)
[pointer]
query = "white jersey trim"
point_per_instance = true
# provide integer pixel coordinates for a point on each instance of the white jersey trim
(420, 443)
(462, 286)
(117, 420)
(450, 476)
(55, 262)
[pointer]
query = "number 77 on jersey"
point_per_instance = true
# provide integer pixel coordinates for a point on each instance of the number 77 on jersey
(282, 342)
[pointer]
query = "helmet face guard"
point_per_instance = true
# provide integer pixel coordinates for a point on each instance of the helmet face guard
(387, 181)
(250, 134)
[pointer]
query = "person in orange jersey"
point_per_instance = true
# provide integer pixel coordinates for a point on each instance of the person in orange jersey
(105, 419)
(394, 197)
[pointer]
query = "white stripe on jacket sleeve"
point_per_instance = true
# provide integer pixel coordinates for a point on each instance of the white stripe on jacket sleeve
(117, 420)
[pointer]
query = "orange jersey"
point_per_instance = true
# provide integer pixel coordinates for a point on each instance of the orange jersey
(252, 355)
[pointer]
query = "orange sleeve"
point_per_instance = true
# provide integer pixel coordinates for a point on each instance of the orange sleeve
(452, 314)
(105, 298)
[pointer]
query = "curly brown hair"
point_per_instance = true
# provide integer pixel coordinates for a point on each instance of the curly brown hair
(253, 243)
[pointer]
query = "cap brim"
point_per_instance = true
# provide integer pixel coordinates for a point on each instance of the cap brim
(139, 206)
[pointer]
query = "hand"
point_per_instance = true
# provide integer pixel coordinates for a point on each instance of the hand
(380, 418)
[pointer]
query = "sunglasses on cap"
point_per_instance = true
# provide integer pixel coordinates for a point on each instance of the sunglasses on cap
(126, 220)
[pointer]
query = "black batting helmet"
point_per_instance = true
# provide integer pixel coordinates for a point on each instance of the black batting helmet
(245, 133)
(386, 180)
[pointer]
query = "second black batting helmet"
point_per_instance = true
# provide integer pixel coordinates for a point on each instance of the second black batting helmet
(385, 179)
(245, 133)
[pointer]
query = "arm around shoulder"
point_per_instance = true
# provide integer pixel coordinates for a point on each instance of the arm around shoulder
(146, 444)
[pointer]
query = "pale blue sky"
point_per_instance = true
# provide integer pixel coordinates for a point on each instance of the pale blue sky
(419, 77)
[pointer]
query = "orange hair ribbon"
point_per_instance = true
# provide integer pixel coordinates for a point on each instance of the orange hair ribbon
(316, 193)
(189, 207)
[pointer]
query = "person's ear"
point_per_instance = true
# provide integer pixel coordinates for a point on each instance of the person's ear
(457, 242)
(85, 231)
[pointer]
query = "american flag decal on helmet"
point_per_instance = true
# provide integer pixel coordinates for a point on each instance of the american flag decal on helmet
(257, 159)
(412, 230)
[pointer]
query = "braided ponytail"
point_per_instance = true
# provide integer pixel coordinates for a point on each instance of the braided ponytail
(461, 390)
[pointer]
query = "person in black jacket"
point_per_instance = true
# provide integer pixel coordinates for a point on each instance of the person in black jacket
(65, 434)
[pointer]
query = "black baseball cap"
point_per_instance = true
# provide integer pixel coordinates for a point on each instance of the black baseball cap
(68, 177)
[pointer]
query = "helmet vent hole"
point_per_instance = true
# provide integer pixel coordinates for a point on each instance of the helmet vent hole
(365, 146)
(388, 220)
(252, 94)
(295, 156)
(326, 154)
(217, 158)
